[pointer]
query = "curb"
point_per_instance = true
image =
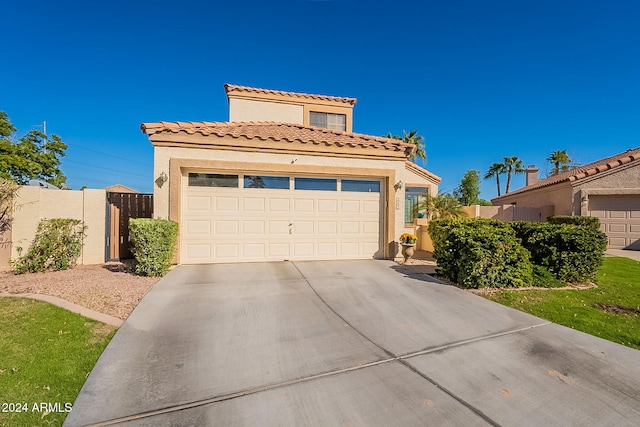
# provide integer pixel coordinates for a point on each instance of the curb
(75, 308)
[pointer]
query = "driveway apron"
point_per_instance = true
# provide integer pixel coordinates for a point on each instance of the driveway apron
(347, 343)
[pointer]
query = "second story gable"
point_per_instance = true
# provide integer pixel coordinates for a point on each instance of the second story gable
(248, 104)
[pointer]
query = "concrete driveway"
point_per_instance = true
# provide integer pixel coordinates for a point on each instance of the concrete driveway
(347, 343)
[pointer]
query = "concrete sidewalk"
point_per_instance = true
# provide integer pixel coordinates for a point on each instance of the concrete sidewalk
(634, 255)
(348, 342)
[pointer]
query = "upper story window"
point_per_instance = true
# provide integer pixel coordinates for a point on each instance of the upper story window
(328, 120)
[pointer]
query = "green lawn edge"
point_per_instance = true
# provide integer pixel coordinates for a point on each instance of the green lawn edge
(618, 289)
(46, 354)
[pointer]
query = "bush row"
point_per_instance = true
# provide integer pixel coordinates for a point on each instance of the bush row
(481, 253)
(587, 221)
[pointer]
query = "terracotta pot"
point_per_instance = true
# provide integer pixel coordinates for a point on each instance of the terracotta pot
(408, 249)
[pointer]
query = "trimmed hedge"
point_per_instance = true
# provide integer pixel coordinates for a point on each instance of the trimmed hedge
(480, 253)
(587, 221)
(572, 253)
(56, 246)
(153, 243)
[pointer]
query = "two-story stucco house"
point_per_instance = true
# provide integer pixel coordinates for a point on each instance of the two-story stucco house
(285, 178)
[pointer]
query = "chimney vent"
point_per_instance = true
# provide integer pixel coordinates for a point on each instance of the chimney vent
(531, 175)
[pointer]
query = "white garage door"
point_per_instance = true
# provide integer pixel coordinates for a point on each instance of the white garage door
(620, 219)
(244, 218)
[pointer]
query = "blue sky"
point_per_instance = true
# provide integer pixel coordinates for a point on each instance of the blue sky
(479, 79)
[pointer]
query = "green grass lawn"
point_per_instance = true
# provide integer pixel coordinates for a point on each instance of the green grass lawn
(46, 354)
(610, 311)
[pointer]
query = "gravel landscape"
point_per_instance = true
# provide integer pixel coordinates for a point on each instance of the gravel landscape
(107, 288)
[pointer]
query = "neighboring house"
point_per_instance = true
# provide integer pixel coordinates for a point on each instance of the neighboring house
(608, 189)
(284, 179)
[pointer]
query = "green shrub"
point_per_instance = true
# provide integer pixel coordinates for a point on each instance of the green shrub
(56, 246)
(572, 253)
(587, 221)
(153, 242)
(480, 253)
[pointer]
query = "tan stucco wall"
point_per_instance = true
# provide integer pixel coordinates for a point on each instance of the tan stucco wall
(308, 104)
(559, 196)
(35, 203)
(172, 159)
(247, 110)
(623, 180)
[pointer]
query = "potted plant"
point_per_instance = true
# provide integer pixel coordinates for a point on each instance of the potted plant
(408, 242)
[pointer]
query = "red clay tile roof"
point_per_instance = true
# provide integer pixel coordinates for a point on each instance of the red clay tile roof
(409, 165)
(582, 171)
(229, 87)
(279, 132)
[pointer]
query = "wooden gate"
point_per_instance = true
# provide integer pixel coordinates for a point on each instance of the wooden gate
(120, 208)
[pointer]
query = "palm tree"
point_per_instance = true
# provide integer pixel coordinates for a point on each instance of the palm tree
(560, 160)
(512, 165)
(412, 138)
(496, 170)
(439, 206)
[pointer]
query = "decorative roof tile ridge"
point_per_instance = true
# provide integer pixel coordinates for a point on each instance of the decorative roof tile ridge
(230, 87)
(582, 172)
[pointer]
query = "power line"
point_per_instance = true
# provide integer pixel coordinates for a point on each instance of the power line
(103, 168)
(109, 154)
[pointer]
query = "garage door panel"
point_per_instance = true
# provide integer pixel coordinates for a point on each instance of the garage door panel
(303, 249)
(226, 227)
(327, 227)
(349, 249)
(370, 227)
(370, 206)
(199, 203)
(200, 252)
(327, 206)
(226, 250)
(198, 228)
(254, 204)
(350, 206)
(253, 227)
(349, 227)
(279, 250)
(279, 227)
(619, 217)
(254, 250)
(617, 228)
(617, 214)
(329, 249)
(279, 205)
(303, 205)
(227, 204)
(238, 224)
(303, 227)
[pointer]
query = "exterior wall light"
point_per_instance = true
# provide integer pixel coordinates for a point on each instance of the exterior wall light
(160, 181)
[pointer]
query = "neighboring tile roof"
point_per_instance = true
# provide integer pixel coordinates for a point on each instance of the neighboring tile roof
(119, 188)
(582, 171)
(229, 87)
(278, 132)
(409, 165)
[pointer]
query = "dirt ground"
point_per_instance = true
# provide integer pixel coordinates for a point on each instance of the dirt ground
(107, 288)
